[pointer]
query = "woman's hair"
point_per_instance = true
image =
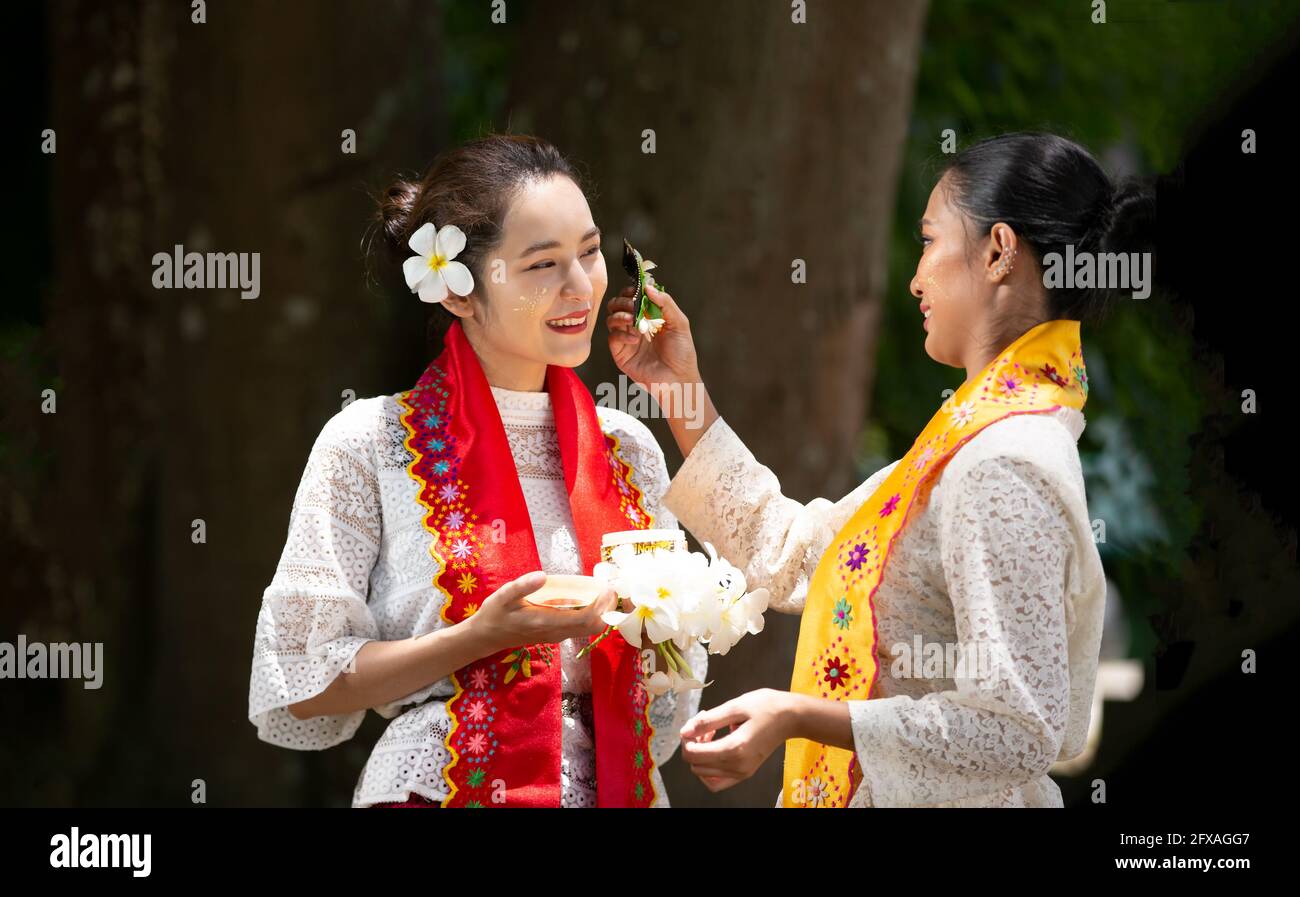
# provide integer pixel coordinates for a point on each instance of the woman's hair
(470, 186)
(1053, 193)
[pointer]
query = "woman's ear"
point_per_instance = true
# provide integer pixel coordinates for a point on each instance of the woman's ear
(1000, 253)
(460, 306)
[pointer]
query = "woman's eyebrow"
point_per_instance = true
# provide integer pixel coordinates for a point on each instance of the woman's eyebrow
(551, 244)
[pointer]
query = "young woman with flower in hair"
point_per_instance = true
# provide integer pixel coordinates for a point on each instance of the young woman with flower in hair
(425, 518)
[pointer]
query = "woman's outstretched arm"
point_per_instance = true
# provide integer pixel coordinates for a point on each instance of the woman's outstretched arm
(383, 671)
(722, 494)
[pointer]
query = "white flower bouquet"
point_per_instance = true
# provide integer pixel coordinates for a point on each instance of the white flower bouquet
(676, 597)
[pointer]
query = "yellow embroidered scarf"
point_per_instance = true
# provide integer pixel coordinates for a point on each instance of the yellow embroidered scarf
(1041, 371)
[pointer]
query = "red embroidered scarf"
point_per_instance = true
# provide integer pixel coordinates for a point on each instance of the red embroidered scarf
(506, 717)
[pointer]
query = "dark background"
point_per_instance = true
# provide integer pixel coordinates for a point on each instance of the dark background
(775, 141)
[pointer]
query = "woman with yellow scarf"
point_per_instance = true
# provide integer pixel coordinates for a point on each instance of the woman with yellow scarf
(951, 605)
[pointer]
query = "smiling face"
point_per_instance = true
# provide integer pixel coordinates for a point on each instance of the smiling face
(552, 280)
(950, 281)
(977, 292)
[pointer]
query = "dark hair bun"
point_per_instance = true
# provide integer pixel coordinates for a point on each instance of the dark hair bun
(1129, 222)
(1059, 201)
(395, 207)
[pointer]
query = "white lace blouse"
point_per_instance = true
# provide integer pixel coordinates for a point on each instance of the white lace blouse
(356, 567)
(1002, 554)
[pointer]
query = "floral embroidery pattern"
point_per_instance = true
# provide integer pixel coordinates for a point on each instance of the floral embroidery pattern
(858, 556)
(1050, 372)
(842, 615)
(521, 661)
(890, 506)
(474, 739)
(456, 546)
(815, 793)
(923, 458)
(1010, 384)
(962, 413)
(836, 674)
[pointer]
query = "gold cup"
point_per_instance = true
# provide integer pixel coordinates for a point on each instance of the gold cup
(564, 592)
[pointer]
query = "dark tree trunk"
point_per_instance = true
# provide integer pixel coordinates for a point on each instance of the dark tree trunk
(776, 141)
(177, 405)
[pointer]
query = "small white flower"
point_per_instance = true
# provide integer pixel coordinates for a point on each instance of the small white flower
(961, 413)
(816, 792)
(431, 271)
(658, 684)
(652, 609)
(650, 326)
(670, 680)
(744, 616)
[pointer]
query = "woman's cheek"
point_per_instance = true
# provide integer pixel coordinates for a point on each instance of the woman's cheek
(599, 282)
(532, 300)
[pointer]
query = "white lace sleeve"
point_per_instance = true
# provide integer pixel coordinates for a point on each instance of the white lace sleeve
(1005, 547)
(724, 496)
(314, 617)
(638, 448)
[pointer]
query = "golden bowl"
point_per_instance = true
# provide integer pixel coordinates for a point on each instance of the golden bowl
(564, 592)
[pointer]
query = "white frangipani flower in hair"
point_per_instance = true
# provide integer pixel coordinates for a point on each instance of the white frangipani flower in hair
(431, 271)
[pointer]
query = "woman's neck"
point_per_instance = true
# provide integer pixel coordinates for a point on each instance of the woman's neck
(520, 378)
(977, 360)
(508, 372)
(978, 354)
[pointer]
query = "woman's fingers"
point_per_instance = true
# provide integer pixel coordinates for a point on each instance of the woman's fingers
(719, 783)
(706, 752)
(624, 304)
(712, 772)
(672, 313)
(514, 591)
(605, 602)
(619, 318)
(711, 720)
(620, 322)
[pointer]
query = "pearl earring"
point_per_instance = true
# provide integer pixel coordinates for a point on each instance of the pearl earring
(1004, 264)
